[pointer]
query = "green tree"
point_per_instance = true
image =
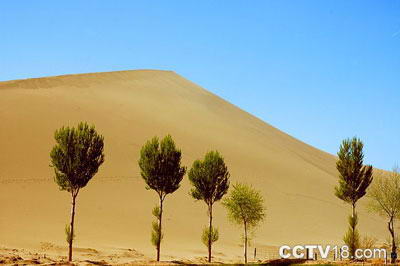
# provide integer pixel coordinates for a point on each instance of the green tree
(384, 195)
(160, 167)
(245, 207)
(76, 158)
(210, 180)
(354, 179)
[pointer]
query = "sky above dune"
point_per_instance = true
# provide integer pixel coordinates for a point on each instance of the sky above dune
(321, 71)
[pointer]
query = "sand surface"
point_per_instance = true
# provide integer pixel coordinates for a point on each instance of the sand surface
(114, 210)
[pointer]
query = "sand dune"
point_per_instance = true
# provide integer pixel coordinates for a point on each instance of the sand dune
(114, 210)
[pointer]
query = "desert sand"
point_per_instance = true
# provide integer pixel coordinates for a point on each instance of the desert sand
(113, 219)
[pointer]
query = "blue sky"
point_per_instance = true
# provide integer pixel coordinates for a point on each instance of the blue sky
(321, 71)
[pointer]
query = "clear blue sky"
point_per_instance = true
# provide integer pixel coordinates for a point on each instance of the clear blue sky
(318, 70)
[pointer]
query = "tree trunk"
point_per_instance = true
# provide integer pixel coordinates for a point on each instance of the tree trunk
(210, 233)
(159, 229)
(72, 227)
(245, 242)
(353, 213)
(391, 230)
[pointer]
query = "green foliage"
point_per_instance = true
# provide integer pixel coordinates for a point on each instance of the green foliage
(68, 234)
(205, 236)
(210, 178)
(384, 194)
(156, 212)
(156, 238)
(77, 156)
(352, 237)
(160, 165)
(354, 177)
(245, 205)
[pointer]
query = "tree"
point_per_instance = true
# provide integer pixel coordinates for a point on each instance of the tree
(210, 180)
(384, 195)
(245, 207)
(76, 158)
(160, 167)
(388, 244)
(354, 179)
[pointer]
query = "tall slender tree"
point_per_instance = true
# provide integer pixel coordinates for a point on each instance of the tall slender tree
(245, 207)
(384, 195)
(160, 167)
(210, 180)
(354, 179)
(76, 158)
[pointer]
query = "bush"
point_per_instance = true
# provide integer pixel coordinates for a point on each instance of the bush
(206, 235)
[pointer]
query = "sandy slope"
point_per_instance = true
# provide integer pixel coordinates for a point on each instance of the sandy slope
(114, 210)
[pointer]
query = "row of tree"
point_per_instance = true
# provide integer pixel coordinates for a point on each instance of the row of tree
(78, 155)
(355, 179)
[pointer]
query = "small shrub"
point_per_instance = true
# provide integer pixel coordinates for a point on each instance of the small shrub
(206, 233)
(70, 236)
(368, 242)
(156, 238)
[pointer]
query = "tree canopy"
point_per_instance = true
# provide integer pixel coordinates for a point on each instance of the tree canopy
(160, 165)
(210, 178)
(77, 156)
(384, 194)
(245, 205)
(354, 176)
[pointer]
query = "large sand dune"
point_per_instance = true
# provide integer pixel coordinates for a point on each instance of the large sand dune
(114, 210)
